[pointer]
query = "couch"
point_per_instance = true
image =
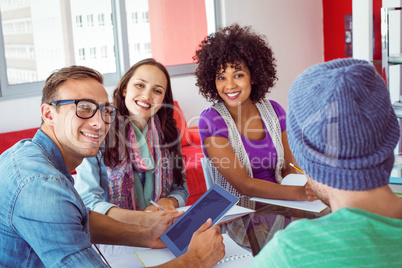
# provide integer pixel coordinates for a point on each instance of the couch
(192, 153)
(8, 139)
(191, 149)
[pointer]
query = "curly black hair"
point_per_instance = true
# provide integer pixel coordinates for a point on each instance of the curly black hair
(234, 45)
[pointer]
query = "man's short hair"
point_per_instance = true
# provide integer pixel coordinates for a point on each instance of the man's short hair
(59, 77)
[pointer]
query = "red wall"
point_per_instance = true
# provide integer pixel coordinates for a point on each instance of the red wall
(334, 12)
(171, 21)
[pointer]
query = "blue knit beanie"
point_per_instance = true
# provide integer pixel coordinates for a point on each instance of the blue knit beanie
(341, 127)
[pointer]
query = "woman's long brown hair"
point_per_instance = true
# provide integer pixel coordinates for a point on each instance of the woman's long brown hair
(119, 129)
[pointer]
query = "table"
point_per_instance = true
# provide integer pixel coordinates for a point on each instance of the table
(252, 232)
(256, 229)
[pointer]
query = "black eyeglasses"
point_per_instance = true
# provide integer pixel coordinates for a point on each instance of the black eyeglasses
(86, 109)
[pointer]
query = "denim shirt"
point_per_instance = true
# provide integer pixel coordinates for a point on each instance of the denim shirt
(43, 221)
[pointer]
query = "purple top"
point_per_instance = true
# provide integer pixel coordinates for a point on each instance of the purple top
(262, 153)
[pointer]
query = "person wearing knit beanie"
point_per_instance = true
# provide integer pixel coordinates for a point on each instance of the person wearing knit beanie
(342, 131)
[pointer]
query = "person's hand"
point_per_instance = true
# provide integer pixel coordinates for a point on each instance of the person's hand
(310, 194)
(150, 217)
(206, 245)
(159, 227)
(166, 203)
(152, 208)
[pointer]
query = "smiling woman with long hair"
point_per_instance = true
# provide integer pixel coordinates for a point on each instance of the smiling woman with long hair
(141, 159)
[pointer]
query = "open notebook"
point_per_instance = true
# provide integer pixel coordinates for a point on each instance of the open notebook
(235, 256)
(296, 180)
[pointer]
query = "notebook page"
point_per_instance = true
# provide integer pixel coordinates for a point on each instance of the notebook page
(295, 180)
(235, 255)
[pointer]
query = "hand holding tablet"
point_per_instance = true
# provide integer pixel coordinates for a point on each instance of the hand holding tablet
(213, 204)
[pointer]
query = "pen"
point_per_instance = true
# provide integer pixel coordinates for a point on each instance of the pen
(299, 169)
(155, 204)
(103, 257)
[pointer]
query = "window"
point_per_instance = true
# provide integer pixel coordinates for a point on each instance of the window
(101, 20)
(104, 52)
(137, 48)
(134, 17)
(81, 53)
(92, 52)
(90, 20)
(33, 43)
(145, 17)
(147, 47)
(78, 21)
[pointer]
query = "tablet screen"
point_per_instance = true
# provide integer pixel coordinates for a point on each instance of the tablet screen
(213, 204)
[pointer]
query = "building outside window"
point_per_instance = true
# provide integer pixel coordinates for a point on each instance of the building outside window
(35, 39)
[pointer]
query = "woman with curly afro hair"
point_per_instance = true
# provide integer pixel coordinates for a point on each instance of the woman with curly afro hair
(243, 135)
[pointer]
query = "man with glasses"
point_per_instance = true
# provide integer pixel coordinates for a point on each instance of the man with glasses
(85, 109)
(44, 221)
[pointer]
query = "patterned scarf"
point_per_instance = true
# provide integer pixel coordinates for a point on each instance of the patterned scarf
(121, 177)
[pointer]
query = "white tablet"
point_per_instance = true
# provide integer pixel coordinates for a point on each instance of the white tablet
(212, 204)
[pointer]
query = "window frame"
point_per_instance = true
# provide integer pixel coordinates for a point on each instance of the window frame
(119, 20)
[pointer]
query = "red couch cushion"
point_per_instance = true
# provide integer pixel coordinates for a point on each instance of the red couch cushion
(8, 139)
(194, 173)
(194, 135)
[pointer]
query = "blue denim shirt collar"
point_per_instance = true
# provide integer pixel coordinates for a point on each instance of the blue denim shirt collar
(52, 152)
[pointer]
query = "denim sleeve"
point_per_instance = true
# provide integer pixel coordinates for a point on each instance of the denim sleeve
(54, 222)
(91, 183)
(180, 193)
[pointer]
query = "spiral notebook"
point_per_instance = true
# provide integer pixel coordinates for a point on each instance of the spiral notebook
(235, 256)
